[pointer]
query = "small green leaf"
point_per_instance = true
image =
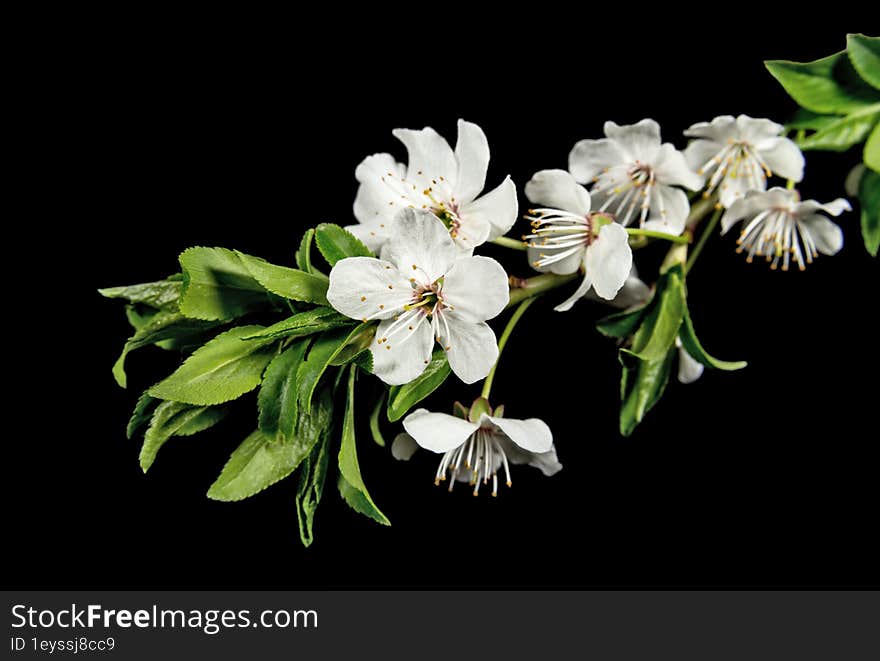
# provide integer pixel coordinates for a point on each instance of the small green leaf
(222, 370)
(325, 348)
(621, 324)
(829, 85)
(163, 294)
(304, 252)
(661, 322)
(351, 484)
(642, 384)
(375, 426)
(286, 282)
(844, 132)
(869, 198)
(402, 398)
(807, 119)
(303, 324)
(695, 349)
(872, 150)
(336, 243)
(864, 53)
(312, 476)
(176, 419)
(277, 400)
(143, 411)
(216, 285)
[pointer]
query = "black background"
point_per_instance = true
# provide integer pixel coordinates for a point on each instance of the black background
(164, 138)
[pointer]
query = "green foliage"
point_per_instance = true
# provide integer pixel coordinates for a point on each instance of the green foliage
(277, 401)
(217, 285)
(303, 255)
(142, 413)
(163, 294)
(312, 476)
(864, 53)
(286, 282)
(303, 324)
(336, 243)
(176, 419)
(869, 195)
(402, 398)
(325, 348)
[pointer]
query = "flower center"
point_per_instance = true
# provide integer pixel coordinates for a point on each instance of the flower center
(561, 233)
(627, 190)
(777, 235)
(738, 159)
(475, 461)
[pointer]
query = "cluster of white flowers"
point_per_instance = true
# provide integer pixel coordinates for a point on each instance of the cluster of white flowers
(425, 219)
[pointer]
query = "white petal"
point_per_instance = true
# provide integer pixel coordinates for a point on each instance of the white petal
(827, 235)
(674, 203)
(588, 158)
(744, 208)
(438, 432)
(376, 166)
(472, 154)
(532, 435)
(579, 293)
(403, 447)
(639, 142)
(609, 260)
(756, 131)
(476, 288)
(718, 130)
(497, 208)
(471, 348)
(546, 462)
(367, 288)
(633, 293)
(372, 234)
(420, 244)
(430, 157)
(404, 355)
(473, 231)
(672, 169)
(733, 189)
(834, 208)
(382, 192)
(783, 157)
(557, 189)
(699, 153)
(564, 266)
(689, 370)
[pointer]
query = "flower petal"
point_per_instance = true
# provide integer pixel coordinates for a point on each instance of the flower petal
(757, 131)
(633, 293)
(430, 157)
(753, 203)
(579, 293)
(736, 188)
(557, 189)
(546, 462)
(497, 208)
(689, 369)
(438, 432)
(718, 130)
(376, 166)
(827, 235)
(588, 158)
(472, 154)
(373, 234)
(471, 348)
(476, 288)
(699, 155)
(532, 435)
(639, 142)
(672, 169)
(367, 288)
(609, 260)
(403, 355)
(382, 192)
(669, 210)
(403, 447)
(420, 244)
(834, 208)
(783, 157)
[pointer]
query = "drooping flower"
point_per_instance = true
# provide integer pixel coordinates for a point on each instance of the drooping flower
(567, 236)
(476, 444)
(423, 290)
(738, 155)
(439, 180)
(782, 228)
(635, 176)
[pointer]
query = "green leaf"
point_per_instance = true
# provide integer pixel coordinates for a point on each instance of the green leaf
(621, 324)
(303, 324)
(402, 398)
(277, 401)
(351, 484)
(176, 419)
(143, 411)
(163, 294)
(312, 476)
(661, 323)
(869, 197)
(164, 325)
(845, 132)
(872, 150)
(829, 85)
(695, 349)
(641, 386)
(806, 119)
(375, 426)
(304, 252)
(261, 461)
(864, 53)
(286, 282)
(222, 370)
(323, 351)
(217, 285)
(336, 243)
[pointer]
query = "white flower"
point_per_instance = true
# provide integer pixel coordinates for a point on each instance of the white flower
(423, 290)
(634, 176)
(567, 236)
(780, 227)
(689, 368)
(439, 180)
(741, 154)
(477, 446)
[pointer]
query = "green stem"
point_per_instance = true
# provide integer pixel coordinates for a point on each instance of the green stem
(653, 234)
(789, 185)
(704, 237)
(522, 289)
(699, 211)
(507, 242)
(514, 318)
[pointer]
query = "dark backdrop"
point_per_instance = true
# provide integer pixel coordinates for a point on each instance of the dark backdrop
(168, 139)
